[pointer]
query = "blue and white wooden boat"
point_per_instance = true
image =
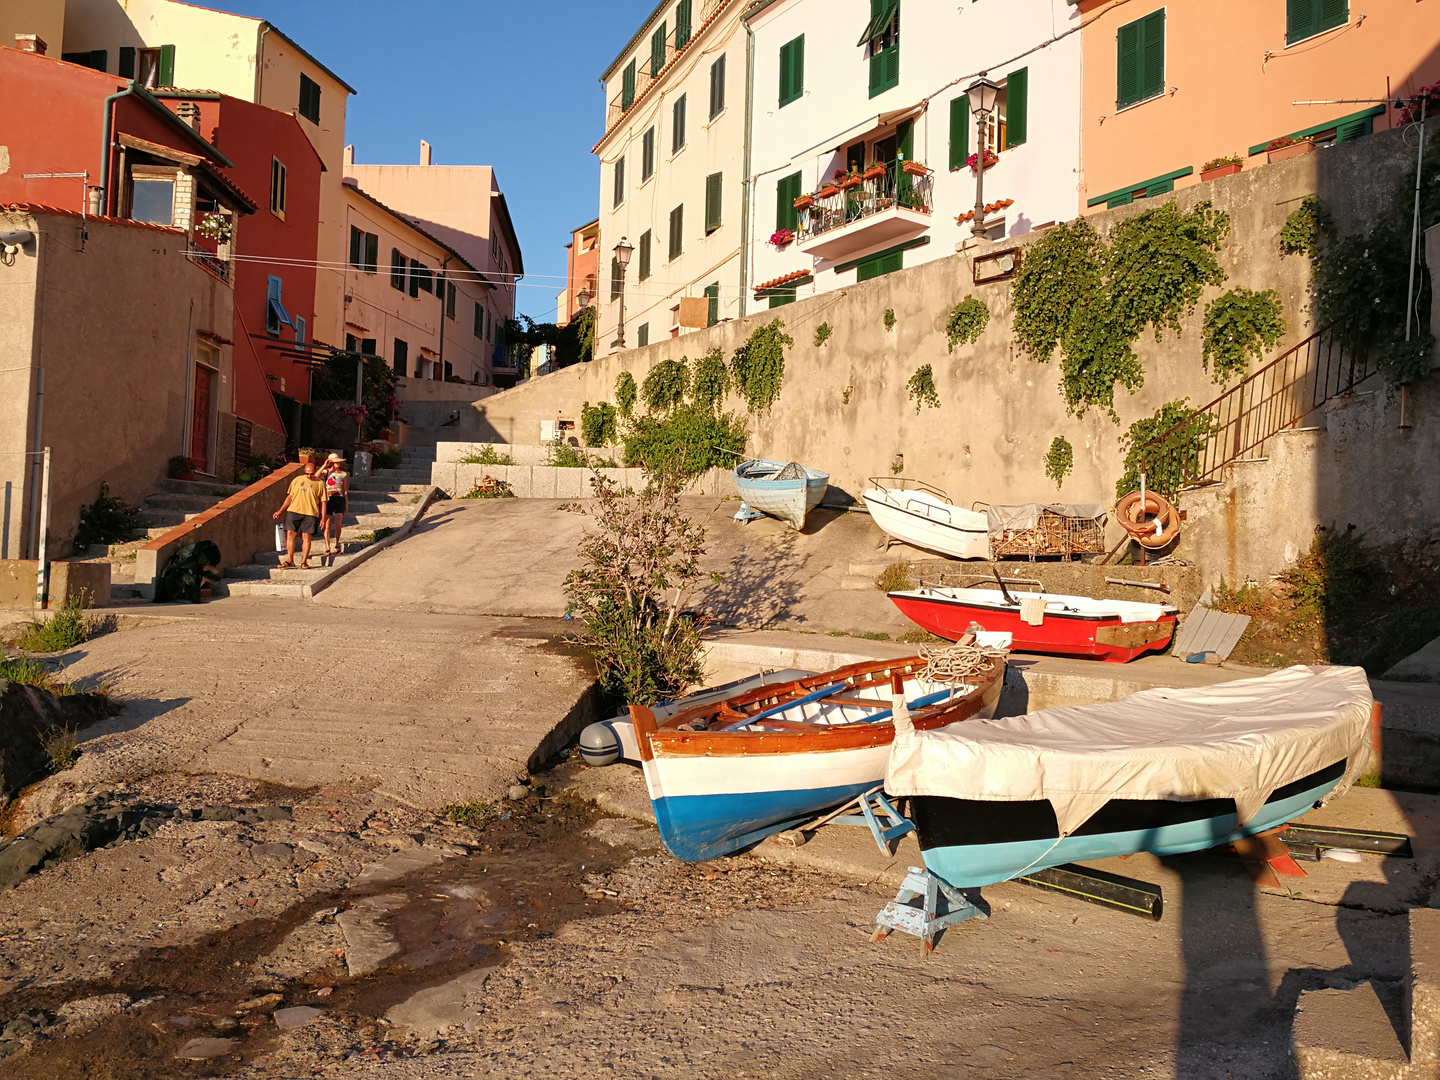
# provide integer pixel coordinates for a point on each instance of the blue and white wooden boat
(788, 491)
(725, 775)
(1165, 771)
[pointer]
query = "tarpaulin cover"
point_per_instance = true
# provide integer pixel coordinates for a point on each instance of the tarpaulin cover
(1027, 515)
(1239, 740)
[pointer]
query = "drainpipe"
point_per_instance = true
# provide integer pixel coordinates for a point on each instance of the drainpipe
(106, 128)
(745, 187)
(260, 59)
(441, 291)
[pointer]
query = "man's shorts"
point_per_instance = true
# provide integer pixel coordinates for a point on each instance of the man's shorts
(301, 523)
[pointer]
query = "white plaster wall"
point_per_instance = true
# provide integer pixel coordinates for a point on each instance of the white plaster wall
(944, 46)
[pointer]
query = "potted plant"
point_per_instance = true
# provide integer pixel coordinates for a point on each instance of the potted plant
(304, 454)
(1221, 166)
(827, 191)
(917, 168)
(780, 237)
(216, 227)
(181, 468)
(847, 180)
(874, 172)
(1285, 148)
(804, 202)
(990, 159)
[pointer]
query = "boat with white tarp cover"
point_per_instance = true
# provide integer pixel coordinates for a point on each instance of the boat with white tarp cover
(1163, 770)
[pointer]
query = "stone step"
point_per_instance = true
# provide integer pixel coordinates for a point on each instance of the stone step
(272, 558)
(372, 522)
(124, 592)
(284, 590)
(170, 500)
(382, 498)
(201, 487)
(1346, 1035)
(159, 522)
(370, 484)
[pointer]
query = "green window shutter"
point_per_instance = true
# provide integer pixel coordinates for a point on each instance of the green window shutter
(1123, 199)
(712, 291)
(479, 320)
(884, 69)
(165, 76)
(657, 51)
(905, 139)
(717, 86)
(1160, 187)
(614, 278)
(627, 87)
(1127, 65)
(782, 297)
(1152, 60)
(786, 192)
(619, 181)
(397, 269)
(879, 266)
(682, 24)
(645, 254)
(356, 241)
(1017, 89)
(677, 232)
(792, 70)
(127, 62)
(677, 125)
(642, 335)
(647, 154)
(1302, 20)
(1333, 13)
(712, 201)
(855, 156)
(959, 131)
(372, 253)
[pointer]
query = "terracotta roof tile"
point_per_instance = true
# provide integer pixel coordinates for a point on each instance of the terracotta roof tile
(784, 279)
(41, 208)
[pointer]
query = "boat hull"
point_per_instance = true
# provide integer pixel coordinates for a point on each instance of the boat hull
(926, 523)
(1080, 635)
(952, 832)
(718, 793)
(789, 500)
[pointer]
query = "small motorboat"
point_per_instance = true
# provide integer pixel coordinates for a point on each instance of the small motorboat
(784, 490)
(1164, 770)
(1040, 622)
(923, 516)
(727, 774)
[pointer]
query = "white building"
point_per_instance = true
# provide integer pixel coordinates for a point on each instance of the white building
(848, 84)
(671, 168)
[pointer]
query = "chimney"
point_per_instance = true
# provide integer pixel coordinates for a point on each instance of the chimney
(190, 113)
(424, 150)
(31, 43)
(349, 157)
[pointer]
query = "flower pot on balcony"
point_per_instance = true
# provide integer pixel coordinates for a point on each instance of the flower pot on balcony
(874, 172)
(850, 182)
(1295, 149)
(827, 191)
(804, 202)
(1220, 170)
(914, 168)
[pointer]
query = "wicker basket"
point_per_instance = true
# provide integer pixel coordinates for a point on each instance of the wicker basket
(1056, 534)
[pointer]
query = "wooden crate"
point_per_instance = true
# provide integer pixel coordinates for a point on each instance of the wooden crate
(1055, 534)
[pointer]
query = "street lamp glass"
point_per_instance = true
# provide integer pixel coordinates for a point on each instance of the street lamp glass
(982, 94)
(623, 250)
(583, 299)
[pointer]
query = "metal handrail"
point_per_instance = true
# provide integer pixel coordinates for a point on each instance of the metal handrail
(1327, 364)
(905, 484)
(943, 581)
(893, 188)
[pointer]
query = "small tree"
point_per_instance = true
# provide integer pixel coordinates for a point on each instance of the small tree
(637, 569)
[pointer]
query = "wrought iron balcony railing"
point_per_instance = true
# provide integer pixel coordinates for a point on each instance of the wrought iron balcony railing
(882, 187)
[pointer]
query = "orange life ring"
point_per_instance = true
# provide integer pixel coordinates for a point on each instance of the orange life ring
(1156, 525)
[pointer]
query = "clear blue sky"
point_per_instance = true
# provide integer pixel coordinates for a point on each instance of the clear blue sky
(486, 83)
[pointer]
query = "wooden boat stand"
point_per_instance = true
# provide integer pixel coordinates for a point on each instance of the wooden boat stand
(872, 805)
(925, 906)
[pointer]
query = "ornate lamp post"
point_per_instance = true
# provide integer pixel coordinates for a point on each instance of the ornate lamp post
(983, 94)
(623, 251)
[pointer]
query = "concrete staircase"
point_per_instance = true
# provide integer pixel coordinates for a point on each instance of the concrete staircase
(384, 500)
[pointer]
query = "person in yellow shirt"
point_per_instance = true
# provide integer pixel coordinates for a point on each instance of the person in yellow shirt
(304, 512)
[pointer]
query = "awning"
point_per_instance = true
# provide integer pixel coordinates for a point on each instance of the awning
(865, 127)
(884, 15)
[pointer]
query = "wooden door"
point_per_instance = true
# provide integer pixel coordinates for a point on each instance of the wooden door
(200, 418)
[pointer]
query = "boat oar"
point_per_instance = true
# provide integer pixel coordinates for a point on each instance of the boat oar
(1003, 591)
(1157, 586)
(814, 695)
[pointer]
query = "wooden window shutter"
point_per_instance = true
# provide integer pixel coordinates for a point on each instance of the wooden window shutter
(614, 277)
(677, 125)
(959, 131)
(165, 75)
(1354, 129)
(479, 320)
(127, 62)
(792, 70)
(645, 243)
(1152, 74)
(717, 87)
(1127, 65)
(677, 231)
(682, 24)
(905, 139)
(356, 242)
(712, 201)
(886, 263)
(619, 181)
(397, 269)
(372, 253)
(785, 73)
(1302, 17)
(1017, 91)
(647, 154)
(627, 87)
(712, 293)
(855, 157)
(1332, 13)
(786, 192)
(657, 51)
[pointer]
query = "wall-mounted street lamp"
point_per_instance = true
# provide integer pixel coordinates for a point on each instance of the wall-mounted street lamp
(623, 251)
(982, 94)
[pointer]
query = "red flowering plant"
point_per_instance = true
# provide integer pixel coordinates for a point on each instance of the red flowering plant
(1427, 97)
(781, 237)
(990, 159)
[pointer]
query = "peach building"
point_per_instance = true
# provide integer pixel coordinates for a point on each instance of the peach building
(582, 266)
(1171, 86)
(413, 299)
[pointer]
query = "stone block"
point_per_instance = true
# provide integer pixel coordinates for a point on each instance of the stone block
(572, 483)
(1346, 1035)
(542, 481)
(615, 476)
(519, 477)
(1422, 992)
(85, 583)
(635, 478)
(443, 475)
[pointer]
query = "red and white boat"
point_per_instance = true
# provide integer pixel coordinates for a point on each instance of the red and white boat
(1039, 622)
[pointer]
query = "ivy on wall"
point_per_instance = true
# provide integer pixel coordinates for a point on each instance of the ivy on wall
(966, 322)
(1239, 326)
(625, 393)
(921, 388)
(598, 424)
(1303, 226)
(822, 334)
(1059, 460)
(758, 366)
(710, 382)
(1170, 461)
(665, 386)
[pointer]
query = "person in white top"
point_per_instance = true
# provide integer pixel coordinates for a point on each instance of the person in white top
(337, 496)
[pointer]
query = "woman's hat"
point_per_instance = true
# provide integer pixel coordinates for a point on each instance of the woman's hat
(335, 458)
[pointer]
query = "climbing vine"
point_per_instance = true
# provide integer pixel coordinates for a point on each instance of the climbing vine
(967, 322)
(1093, 298)
(921, 388)
(625, 393)
(665, 386)
(1300, 235)
(598, 424)
(710, 381)
(1059, 460)
(889, 318)
(1175, 457)
(822, 334)
(758, 366)
(1239, 327)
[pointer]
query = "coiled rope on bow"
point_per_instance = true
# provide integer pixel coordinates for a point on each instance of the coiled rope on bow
(956, 663)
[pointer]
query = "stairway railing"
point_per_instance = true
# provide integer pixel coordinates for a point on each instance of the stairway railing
(1237, 424)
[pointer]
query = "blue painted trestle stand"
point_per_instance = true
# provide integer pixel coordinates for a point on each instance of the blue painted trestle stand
(940, 907)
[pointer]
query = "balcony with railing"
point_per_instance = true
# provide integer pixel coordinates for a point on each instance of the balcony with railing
(651, 59)
(888, 202)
